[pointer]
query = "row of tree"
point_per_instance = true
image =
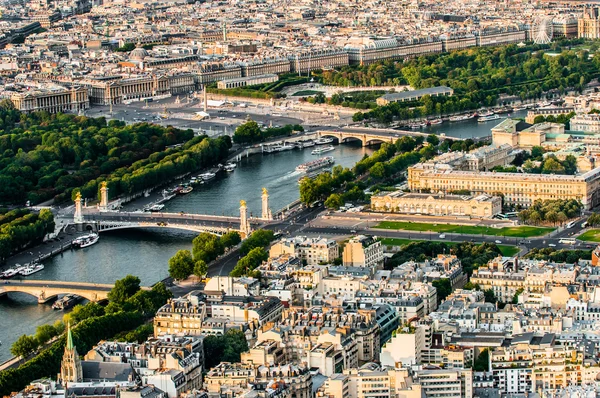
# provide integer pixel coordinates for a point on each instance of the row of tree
(206, 247)
(46, 155)
(472, 255)
(559, 256)
(22, 228)
(158, 167)
(477, 75)
(551, 211)
(253, 249)
(251, 133)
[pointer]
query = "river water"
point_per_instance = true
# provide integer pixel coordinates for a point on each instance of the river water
(145, 253)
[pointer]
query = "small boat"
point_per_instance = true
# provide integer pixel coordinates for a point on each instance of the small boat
(285, 147)
(435, 121)
(324, 149)
(323, 141)
(486, 113)
(185, 190)
(488, 118)
(207, 176)
(9, 273)
(309, 143)
(85, 241)
(195, 181)
(315, 164)
(270, 148)
(415, 126)
(157, 207)
(229, 167)
(31, 269)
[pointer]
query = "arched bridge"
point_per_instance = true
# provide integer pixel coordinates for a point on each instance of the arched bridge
(46, 291)
(219, 225)
(365, 138)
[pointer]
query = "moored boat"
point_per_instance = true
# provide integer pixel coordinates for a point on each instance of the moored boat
(488, 118)
(86, 240)
(229, 167)
(323, 141)
(324, 149)
(185, 190)
(207, 176)
(31, 269)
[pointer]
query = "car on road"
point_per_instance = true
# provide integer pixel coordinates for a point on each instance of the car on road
(352, 231)
(497, 241)
(443, 236)
(551, 245)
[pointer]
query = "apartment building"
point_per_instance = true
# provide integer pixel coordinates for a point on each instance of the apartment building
(445, 383)
(313, 251)
(363, 251)
(227, 378)
(533, 362)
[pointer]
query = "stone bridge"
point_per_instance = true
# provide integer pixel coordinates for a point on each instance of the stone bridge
(367, 136)
(46, 291)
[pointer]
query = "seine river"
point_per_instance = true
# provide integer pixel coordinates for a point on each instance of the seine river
(145, 253)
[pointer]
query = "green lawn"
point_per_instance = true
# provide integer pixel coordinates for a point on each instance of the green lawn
(515, 232)
(306, 93)
(506, 250)
(593, 235)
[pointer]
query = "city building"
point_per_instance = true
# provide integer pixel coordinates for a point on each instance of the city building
(363, 251)
(479, 206)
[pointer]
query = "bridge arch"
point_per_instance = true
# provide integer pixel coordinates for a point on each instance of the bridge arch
(374, 141)
(350, 139)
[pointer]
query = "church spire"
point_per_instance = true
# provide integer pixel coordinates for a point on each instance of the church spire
(70, 344)
(70, 367)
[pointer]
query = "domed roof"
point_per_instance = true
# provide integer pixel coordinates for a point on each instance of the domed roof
(138, 54)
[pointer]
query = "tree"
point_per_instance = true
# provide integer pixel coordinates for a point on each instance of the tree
(44, 333)
(515, 299)
(248, 132)
(124, 288)
(334, 201)
(231, 239)
(206, 247)
(308, 191)
(490, 296)
(378, 170)
(552, 166)
(482, 362)
(82, 312)
(537, 152)
(24, 346)
(181, 265)
(433, 139)
(443, 287)
(259, 238)
(224, 348)
(200, 269)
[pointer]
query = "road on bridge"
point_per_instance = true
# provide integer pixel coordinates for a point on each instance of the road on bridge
(173, 218)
